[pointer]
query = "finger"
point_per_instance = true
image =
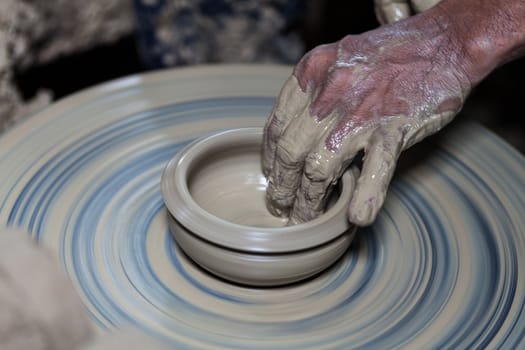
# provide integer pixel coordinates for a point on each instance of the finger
(308, 205)
(296, 141)
(423, 5)
(289, 103)
(312, 69)
(323, 167)
(381, 156)
(389, 11)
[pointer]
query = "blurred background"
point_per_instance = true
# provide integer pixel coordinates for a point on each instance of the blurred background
(54, 48)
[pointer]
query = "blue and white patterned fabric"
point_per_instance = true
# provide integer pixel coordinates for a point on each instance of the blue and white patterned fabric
(176, 32)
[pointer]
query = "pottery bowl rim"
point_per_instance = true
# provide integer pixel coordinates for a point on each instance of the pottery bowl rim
(184, 209)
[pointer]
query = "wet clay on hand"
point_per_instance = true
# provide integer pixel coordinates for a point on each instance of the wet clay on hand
(379, 92)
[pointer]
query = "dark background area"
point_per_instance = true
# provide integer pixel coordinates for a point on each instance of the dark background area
(496, 103)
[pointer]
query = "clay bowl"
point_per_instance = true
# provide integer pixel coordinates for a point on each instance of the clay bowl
(215, 192)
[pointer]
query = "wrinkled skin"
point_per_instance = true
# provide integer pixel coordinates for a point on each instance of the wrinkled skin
(380, 92)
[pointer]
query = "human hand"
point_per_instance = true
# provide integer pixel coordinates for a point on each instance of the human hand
(381, 92)
(389, 11)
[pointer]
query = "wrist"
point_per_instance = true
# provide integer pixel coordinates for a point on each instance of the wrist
(488, 33)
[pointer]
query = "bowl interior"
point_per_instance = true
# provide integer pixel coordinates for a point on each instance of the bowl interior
(228, 183)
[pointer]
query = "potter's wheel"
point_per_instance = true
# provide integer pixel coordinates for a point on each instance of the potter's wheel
(443, 266)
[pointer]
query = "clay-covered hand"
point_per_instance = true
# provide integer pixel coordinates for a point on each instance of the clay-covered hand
(389, 11)
(380, 92)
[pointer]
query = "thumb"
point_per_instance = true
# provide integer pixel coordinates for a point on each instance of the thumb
(389, 11)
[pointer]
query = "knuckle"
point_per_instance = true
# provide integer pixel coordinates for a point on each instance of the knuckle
(314, 60)
(280, 196)
(318, 167)
(288, 153)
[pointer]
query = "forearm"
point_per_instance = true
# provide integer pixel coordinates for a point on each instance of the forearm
(489, 32)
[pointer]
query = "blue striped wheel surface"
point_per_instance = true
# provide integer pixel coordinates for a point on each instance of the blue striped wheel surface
(443, 266)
